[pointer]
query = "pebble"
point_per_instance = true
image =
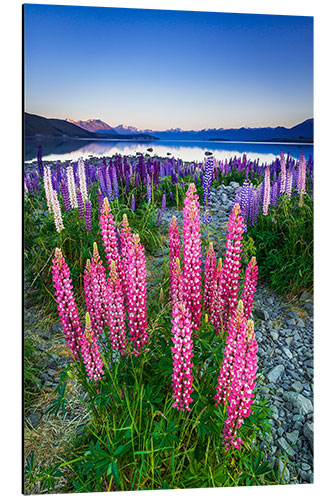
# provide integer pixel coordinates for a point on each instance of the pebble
(275, 373)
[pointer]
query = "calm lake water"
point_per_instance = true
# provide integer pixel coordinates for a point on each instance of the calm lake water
(71, 150)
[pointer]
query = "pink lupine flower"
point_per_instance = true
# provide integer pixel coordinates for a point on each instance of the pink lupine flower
(236, 329)
(229, 281)
(250, 283)
(137, 296)
(109, 237)
(82, 178)
(177, 290)
(289, 184)
(71, 187)
(182, 354)
(301, 179)
(115, 311)
(67, 308)
(94, 281)
(210, 279)
(48, 187)
(126, 240)
(57, 211)
(192, 256)
(174, 243)
(241, 391)
(283, 172)
(267, 191)
(214, 309)
(91, 352)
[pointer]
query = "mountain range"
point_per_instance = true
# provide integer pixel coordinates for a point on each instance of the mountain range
(38, 126)
(302, 132)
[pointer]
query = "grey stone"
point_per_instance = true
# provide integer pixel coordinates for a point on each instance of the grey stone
(281, 471)
(298, 401)
(51, 372)
(305, 466)
(280, 431)
(308, 433)
(305, 476)
(297, 386)
(261, 313)
(287, 352)
(234, 185)
(292, 436)
(291, 322)
(275, 373)
(274, 334)
(289, 341)
(300, 323)
(285, 446)
(34, 419)
(305, 296)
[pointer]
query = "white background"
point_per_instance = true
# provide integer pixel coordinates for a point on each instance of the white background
(11, 244)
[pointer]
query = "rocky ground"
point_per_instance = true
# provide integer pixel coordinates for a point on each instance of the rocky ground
(284, 332)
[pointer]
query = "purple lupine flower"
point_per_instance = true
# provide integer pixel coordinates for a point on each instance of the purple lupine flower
(172, 197)
(65, 196)
(209, 164)
(108, 185)
(88, 216)
(100, 200)
(149, 194)
(161, 211)
(102, 182)
(133, 203)
(137, 179)
(127, 180)
(115, 182)
(244, 200)
(80, 204)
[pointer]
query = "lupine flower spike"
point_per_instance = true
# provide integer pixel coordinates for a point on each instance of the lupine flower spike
(229, 282)
(91, 353)
(192, 256)
(115, 311)
(182, 352)
(250, 283)
(174, 243)
(210, 279)
(137, 296)
(94, 280)
(109, 237)
(67, 308)
(267, 192)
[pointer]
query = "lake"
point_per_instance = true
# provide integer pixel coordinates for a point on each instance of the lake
(71, 150)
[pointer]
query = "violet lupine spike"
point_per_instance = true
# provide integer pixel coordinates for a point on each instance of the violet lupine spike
(149, 191)
(174, 244)
(250, 284)
(210, 280)
(267, 192)
(133, 203)
(108, 184)
(87, 222)
(192, 255)
(65, 196)
(161, 211)
(242, 388)
(229, 283)
(40, 161)
(67, 308)
(80, 204)
(109, 237)
(208, 178)
(115, 183)
(137, 296)
(100, 200)
(115, 311)
(91, 353)
(182, 352)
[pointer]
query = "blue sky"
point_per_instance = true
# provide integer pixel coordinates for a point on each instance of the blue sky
(165, 69)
